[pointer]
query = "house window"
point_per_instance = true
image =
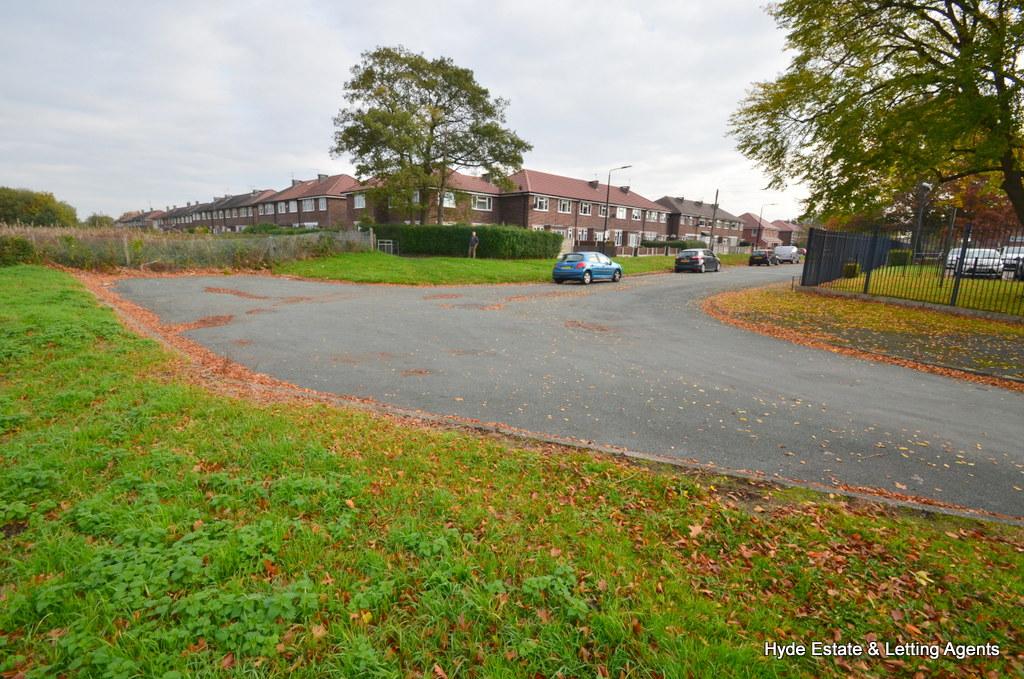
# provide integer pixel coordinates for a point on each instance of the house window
(360, 201)
(540, 203)
(281, 208)
(483, 203)
(652, 216)
(618, 233)
(636, 215)
(293, 206)
(259, 208)
(634, 239)
(220, 214)
(449, 199)
(585, 209)
(581, 234)
(602, 210)
(620, 213)
(663, 217)
(565, 206)
(307, 205)
(323, 204)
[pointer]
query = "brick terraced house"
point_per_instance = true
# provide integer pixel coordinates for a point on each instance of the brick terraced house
(763, 234)
(691, 220)
(575, 208)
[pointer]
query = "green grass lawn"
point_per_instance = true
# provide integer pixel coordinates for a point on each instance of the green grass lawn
(924, 335)
(924, 284)
(375, 267)
(152, 528)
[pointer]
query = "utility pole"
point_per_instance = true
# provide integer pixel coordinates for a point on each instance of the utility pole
(714, 216)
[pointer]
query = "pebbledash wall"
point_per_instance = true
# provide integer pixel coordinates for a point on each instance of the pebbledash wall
(575, 208)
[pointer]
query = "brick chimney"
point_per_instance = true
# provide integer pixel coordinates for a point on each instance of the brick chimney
(321, 177)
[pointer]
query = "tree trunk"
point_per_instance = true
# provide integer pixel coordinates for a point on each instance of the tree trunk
(1013, 184)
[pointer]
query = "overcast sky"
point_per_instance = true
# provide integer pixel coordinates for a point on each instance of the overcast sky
(114, 106)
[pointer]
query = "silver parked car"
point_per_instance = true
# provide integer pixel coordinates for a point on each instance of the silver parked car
(1013, 257)
(977, 262)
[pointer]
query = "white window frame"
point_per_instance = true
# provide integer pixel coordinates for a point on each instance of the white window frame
(581, 233)
(634, 239)
(322, 204)
(636, 214)
(602, 210)
(359, 201)
(663, 217)
(539, 201)
(483, 203)
(281, 207)
(617, 233)
(293, 206)
(585, 209)
(307, 204)
(620, 212)
(567, 204)
(449, 199)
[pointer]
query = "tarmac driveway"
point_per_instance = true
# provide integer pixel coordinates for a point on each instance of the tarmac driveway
(634, 364)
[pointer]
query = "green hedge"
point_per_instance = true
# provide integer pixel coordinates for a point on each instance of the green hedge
(681, 244)
(899, 257)
(496, 242)
(14, 250)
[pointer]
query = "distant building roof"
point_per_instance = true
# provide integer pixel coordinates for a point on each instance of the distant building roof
(695, 208)
(532, 181)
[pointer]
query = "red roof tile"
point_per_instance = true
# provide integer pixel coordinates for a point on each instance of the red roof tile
(532, 181)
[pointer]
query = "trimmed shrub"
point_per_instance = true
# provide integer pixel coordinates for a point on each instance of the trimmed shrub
(14, 250)
(899, 257)
(496, 242)
(851, 270)
(680, 244)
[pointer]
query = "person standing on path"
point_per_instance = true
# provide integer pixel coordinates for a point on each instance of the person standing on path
(473, 242)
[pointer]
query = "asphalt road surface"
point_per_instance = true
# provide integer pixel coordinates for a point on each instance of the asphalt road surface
(634, 364)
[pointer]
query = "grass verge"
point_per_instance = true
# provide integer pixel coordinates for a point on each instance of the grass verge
(923, 338)
(935, 284)
(153, 528)
(375, 267)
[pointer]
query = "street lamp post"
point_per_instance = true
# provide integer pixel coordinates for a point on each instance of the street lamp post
(608, 196)
(714, 216)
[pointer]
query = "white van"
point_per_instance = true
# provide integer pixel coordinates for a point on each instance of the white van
(787, 253)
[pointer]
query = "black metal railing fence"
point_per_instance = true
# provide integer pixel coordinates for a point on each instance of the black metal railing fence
(962, 265)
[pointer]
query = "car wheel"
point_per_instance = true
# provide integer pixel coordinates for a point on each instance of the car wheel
(587, 278)
(617, 276)
(701, 268)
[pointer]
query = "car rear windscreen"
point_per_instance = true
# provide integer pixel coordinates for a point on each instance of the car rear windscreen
(574, 258)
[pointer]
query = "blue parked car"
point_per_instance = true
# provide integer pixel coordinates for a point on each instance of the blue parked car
(586, 267)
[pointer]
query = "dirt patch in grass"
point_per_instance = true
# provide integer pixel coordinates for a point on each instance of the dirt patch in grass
(232, 291)
(259, 310)
(581, 325)
(977, 350)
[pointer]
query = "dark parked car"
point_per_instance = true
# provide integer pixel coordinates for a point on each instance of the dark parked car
(697, 260)
(585, 267)
(759, 257)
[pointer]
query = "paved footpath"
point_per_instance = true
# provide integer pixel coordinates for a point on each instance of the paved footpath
(635, 364)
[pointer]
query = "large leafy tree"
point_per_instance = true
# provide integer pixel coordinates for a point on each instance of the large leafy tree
(37, 208)
(411, 121)
(883, 94)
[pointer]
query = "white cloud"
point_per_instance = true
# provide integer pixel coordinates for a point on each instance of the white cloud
(131, 105)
